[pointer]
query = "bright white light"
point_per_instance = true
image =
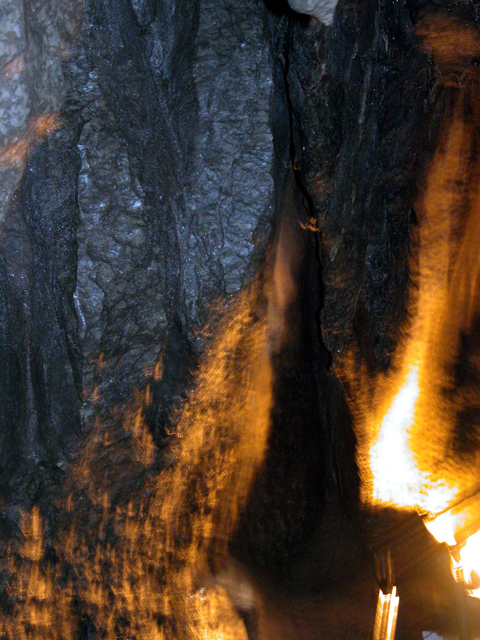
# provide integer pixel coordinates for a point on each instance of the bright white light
(386, 615)
(393, 468)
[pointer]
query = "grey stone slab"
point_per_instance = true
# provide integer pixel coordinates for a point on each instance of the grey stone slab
(14, 105)
(12, 31)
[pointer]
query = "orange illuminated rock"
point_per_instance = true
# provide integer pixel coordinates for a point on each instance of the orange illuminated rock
(454, 45)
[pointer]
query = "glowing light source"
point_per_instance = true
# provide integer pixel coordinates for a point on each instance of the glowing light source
(390, 458)
(470, 557)
(465, 555)
(386, 615)
(404, 419)
(443, 528)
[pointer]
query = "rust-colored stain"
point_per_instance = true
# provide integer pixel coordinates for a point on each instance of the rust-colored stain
(13, 68)
(16, 152)
(454, 45)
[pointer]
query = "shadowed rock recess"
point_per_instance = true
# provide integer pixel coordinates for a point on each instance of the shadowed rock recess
(150, 152)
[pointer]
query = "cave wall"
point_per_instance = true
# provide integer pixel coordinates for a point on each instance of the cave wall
(139, 176)
(366, 96)
(373, 103)
(146, 150)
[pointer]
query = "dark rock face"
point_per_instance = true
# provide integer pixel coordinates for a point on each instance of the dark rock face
(148, 150)
(191, 166)
(365, 96)
(151, 200)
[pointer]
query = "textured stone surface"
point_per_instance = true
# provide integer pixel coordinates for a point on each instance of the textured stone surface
(14, 98)
(230, 192)
(35, 38)
(145, 151)
(191, 160)
(141, 148)
(12, 31)
(322, 10)
(363, 182)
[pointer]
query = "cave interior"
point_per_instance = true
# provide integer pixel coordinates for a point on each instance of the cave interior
(227, 230)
